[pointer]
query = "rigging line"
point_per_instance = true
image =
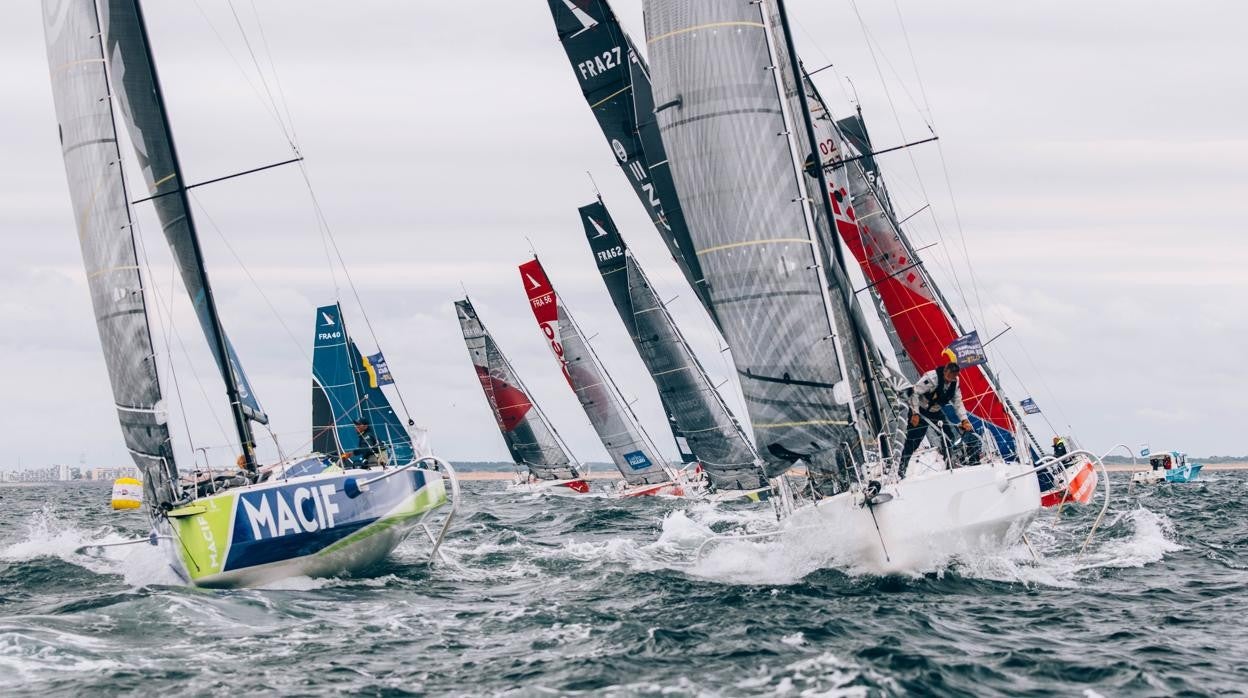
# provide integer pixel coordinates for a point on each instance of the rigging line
(355, 292)
(260, 72)
(171, 328)
(239, 260)
(164, 334)
(1043, 383)
(944, 165)
(277, 80)
(270, 109)
(910, 154)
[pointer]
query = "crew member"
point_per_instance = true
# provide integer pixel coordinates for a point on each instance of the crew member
(937, 388)
(1059, 447)
(370, 452)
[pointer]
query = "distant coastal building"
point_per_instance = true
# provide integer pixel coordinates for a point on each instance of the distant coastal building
(69, 473)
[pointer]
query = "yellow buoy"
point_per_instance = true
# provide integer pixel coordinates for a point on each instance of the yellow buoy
(127, 493)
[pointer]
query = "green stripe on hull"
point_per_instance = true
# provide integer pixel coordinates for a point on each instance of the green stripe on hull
(424, 501)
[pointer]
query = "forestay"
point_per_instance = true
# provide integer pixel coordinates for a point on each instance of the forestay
(630, 449)
(615, 81)
(138, 96)
(105, 234)
(733, 164)
(700, 420)
(529, 436)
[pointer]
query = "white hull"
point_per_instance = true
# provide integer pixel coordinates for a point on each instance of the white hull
(561, 488)
(931, 518)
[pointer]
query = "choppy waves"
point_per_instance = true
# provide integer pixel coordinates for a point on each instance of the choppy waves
(542, 595)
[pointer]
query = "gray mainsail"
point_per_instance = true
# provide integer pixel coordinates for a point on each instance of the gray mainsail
(530, 438)
(97, 190)
(725, 124)
(700, 419)
(137, 91)
(627, 443)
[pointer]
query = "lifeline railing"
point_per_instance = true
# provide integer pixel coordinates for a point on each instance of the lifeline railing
(351, 486)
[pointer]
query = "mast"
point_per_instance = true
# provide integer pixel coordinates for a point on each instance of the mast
(840, 274)
(241, 423)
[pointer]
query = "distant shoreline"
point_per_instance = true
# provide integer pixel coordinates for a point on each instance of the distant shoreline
(604, 474)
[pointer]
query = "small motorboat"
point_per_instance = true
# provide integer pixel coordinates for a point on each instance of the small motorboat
(1171, 466)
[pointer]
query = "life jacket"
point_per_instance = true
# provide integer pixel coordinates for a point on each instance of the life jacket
(943, 394)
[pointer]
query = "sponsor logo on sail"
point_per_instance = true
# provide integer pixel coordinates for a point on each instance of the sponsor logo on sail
(637, 460)
(576, 7)
(329, 319)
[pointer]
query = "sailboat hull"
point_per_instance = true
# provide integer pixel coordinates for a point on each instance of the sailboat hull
(317, 526)
(929, 519)
(557, 487)
(1076, 485)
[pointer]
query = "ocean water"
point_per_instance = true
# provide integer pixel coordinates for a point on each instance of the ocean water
(591, 596)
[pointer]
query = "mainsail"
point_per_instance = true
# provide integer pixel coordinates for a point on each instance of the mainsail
(727, 134)
(343, 391)
(615, 81)
(97, 190)
(530, 438)
(636, 457)
(700, 420)
(137, 91)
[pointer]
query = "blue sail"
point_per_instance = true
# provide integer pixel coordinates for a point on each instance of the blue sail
(335, 397)
(386, 425)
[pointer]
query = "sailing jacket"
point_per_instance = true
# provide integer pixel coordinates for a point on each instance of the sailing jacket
(931, 392)
(368, 447)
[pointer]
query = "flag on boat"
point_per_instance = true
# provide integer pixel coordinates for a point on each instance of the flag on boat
(1029, 406)
(966, 351)
(1144, 450)
(378, 370)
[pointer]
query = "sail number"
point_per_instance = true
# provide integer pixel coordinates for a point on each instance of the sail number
(597, 65)
(612, 253)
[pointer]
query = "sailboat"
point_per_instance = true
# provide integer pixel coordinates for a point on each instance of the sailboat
(630, 447)
(705, 429)
(294, 517)
(918, 318)
(531, 439)
(738, 134)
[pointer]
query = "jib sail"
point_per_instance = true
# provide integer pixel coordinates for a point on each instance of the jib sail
(630, 449)
(700, 420)
(101, 210)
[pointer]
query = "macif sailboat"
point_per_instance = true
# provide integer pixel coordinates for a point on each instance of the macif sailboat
(703, 426)
(628, 444)
(531, 438)
(816, 391)
(263, 524)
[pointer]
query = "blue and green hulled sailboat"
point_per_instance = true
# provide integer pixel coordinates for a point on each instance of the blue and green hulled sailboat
(310, 515)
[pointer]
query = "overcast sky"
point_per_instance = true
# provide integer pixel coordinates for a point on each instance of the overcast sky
(1097, 155)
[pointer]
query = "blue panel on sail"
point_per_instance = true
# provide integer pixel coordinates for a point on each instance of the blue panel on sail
(333, 385)
(386, 425)
(251, 406)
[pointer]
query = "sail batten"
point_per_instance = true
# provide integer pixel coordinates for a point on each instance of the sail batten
(80, 91)
(696, 413)
(741, 191)
(530, 438)
(625, 441)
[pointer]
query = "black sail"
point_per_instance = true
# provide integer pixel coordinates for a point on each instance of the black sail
(615, 80)
(137, 93)
(97, 192)
(700, 420)
(530, 438)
